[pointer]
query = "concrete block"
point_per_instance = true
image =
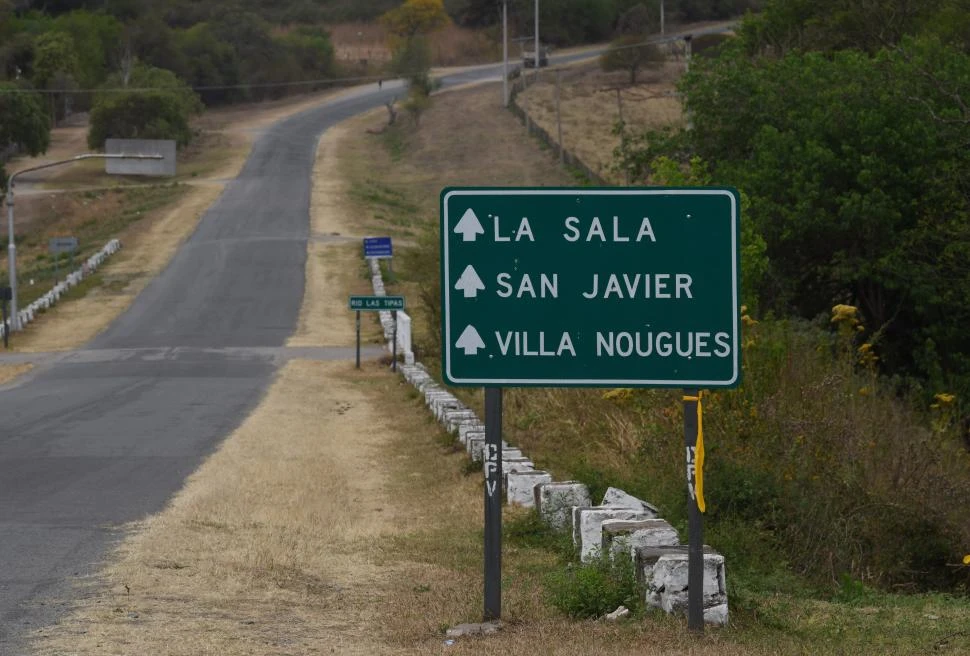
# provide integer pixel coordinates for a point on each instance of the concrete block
(555, 501)
(588, 526)
(476, 447)
(516, 464)
(625, 536)
(443, 404)
(616, 497)
(432, 394)
(453, 418)
(716, 615)
(664, 577)
(511, 453)
(521, 485)
(470, 427)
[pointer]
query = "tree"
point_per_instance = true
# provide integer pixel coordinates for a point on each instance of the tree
(415, 17)
(855, 165)
(97, 39)
(207, 61)
(629, 53)
(635, 20)
(23, 123)
(313, 51)
(152, 42)
(158, 107)
(55, 68)
(54, 53)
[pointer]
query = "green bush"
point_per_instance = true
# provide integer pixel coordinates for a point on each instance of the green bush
(595, 588)
(139, 115)
(158, 106)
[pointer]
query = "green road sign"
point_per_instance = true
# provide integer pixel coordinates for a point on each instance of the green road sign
(376, 303)
(590, 287)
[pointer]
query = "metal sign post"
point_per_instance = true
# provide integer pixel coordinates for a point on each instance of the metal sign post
(5, 295)
(695, 521)
(358, 339)
(493, 503)
(377, 304)
(59, 245)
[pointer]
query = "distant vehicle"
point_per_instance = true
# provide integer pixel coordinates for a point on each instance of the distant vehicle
(529, 57)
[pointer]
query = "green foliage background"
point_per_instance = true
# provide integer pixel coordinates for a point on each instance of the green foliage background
(855, 164)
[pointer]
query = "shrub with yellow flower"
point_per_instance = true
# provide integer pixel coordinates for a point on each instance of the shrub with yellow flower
(619, 394)
(867, 358)
(846, 317)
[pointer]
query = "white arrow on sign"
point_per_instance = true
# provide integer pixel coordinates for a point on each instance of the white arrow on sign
(469, 282)
(470, 341)
(469, 227)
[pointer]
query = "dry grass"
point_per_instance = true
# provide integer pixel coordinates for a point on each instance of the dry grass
(356, 41)
(452, 46)
(332, 264)
(9, 372)
(395, 179)
(590, 110)
(149, 244)
(272, 546)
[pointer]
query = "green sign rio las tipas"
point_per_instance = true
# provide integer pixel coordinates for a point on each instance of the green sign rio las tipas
(590, 287)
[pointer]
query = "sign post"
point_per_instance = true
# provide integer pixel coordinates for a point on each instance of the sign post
(358, 339)
(5, 295)
(585, 287)
(376, 304)
(59, 245)
(380, 248)
(493, 503)
(695, 521)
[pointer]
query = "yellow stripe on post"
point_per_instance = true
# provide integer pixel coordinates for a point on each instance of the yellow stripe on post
(699, 454)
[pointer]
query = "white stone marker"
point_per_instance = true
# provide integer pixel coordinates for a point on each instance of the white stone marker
(588, 526)
(556, 501)
(624, 536)
(521, 486)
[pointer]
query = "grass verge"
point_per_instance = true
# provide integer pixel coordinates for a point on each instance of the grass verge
(632, 439)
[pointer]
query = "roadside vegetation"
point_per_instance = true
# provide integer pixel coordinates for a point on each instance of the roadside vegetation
(94, 217)
(836, 497)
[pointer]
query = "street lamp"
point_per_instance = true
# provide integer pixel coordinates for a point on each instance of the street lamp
(12, 247)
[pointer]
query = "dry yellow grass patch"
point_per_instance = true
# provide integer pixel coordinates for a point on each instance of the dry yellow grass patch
(8, 372)
(590, 110)
(333, 263)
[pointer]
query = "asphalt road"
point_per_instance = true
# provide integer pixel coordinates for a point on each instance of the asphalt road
(107, 435)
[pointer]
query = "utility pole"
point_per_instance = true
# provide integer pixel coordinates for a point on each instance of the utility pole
(562, 154)
(505, 52)
(12, 247)
(537, 41)
(661, 17)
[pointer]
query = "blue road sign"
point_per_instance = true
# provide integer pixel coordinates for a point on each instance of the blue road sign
(378, 247)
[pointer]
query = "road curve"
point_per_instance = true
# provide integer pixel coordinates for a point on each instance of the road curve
(91, 442)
